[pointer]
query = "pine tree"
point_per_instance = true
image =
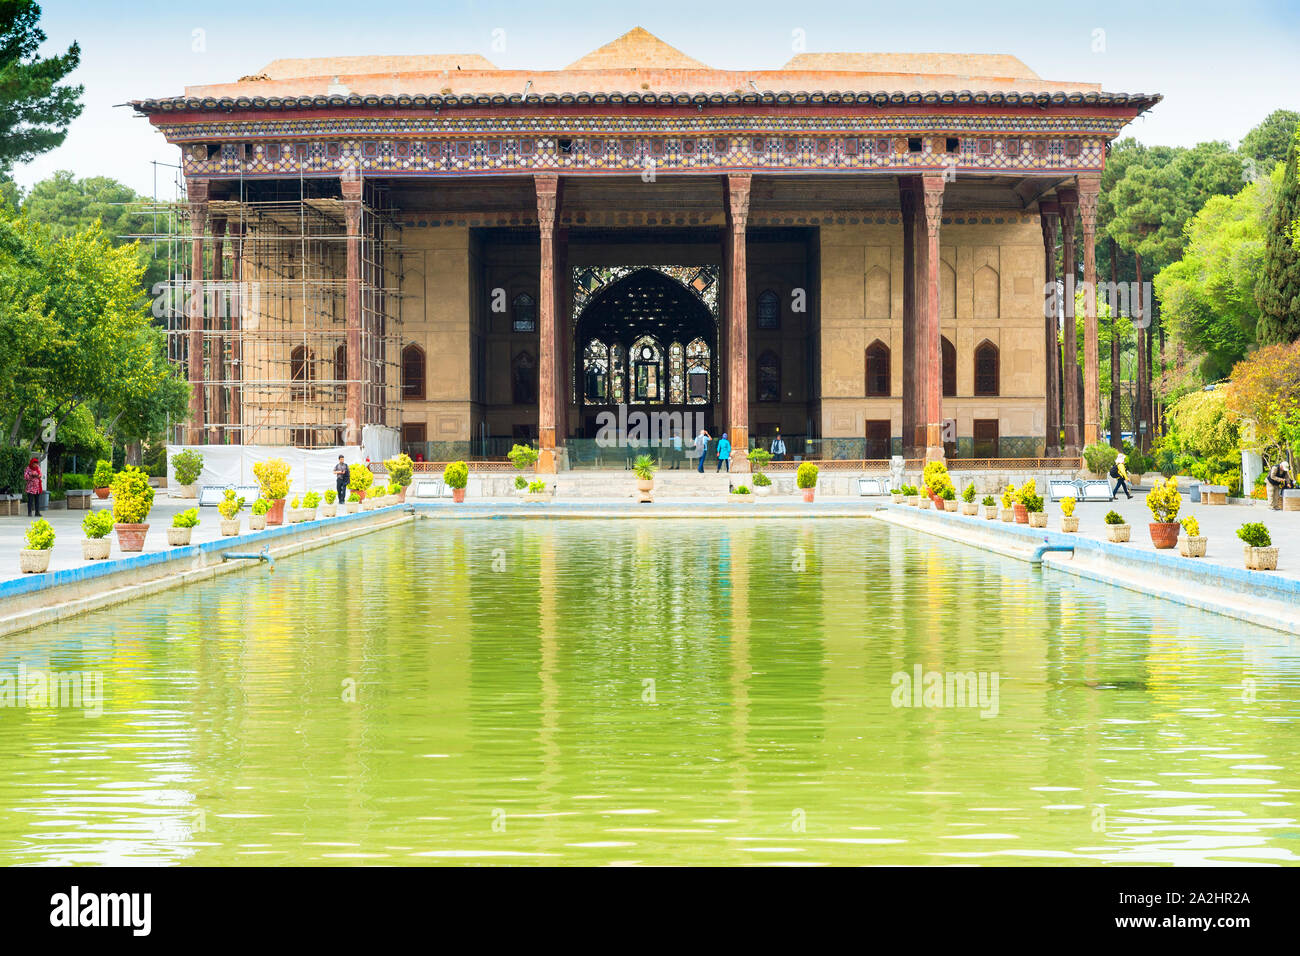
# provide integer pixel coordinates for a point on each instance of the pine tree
(1278, 290)
(34, 109)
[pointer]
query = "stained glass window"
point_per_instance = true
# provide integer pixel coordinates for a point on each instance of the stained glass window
(618, 374)
(676, 374)
(878, 369)
(698, 367)
(595, 366)
(769, 377)
(525, 313)
(769, 310)
(986, 369)
(647, 371)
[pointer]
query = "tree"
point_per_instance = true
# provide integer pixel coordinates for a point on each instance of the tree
(1264, 391)
(1278, 290)
(1208, 296)
(1200, 424)
(35, 109)
(1267, 143)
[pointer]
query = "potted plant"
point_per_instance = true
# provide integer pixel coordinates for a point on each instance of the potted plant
(1116, 529)
(990, 507)
(1260, 554)
(230, 507)
(536, 490)
(968, 505)
(644, 469)
(1099, 457)
(741, 493)
(310, 502)
(1027, 492)
(948, 495)
(911, 496)
(1164, 501)
(806, 479)
(1008, 503)
(456, 477)
(935, 478)
(183, 523)
(896, 496)
(294, 511)
(758, 460)
(1192, 543)
(187, 466)
(273, 481)
(35, 558)
(102, 478)
(1033, 503)
(132, 502)
(97, 525)
(353, 504)
(1069, 520)
(522, 457)
(400, 471)
(330, 508)
(923, 499)
(257, 520)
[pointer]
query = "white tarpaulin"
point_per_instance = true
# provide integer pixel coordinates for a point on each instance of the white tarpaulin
(381, 442)
(310, 469)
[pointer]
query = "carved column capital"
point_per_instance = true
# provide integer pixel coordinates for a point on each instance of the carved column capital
(1089, 192)
(932, 192)
(548, 195)
(739, 186)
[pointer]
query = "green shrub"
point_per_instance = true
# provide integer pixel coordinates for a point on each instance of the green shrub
(456, 474)
(968, 495)
(989, 501)
(1164, 501)
(12, 463)
(1028, 492)
(806, 476)
(187, 466)
(523, 457)
(521, 482)
(947, 493)
(1009, 496)
(1099, 458)
(354, 498)
(103, 477)
(644, 468)
(132, 496)
(188, 518)
(231, 506)
(740, 490)
(97, 524)
(40, 536)
(910, 490)
(400, 469)
(311, 500)
(331, 496)
(72, 481)
(537, 487)
(1255, 534)
(935, 476)
(272, 478)
(1033, 503)
(761, 480)
(293, 504)
(261, 506)
(1191, 526)
(360, 478)
(1113, 517)
(759, 459)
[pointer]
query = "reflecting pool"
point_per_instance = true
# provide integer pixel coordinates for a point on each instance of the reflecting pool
(647, 691)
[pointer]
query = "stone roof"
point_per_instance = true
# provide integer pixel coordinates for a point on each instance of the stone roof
(639, 67)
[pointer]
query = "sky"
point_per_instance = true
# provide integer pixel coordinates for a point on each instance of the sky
(1222, 67)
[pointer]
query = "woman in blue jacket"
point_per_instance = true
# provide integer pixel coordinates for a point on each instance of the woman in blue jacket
(724, 453)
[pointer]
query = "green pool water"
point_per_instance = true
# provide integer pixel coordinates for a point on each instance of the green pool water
(656, 692)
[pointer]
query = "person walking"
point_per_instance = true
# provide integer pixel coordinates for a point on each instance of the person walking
(32, 477)
(701, 448)
(1120, 474)
(778, 447)
(1279, 480)
(724, 453)
(342, 474)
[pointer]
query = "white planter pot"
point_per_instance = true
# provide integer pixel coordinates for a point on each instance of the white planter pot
(178, 537)
(34, 562)
(352, 507)
(188, 491)
(1118, 533)
(96, 549)
(257, 522)
(1257, 559)
(1038, 519)
(1069, 523)
(762, 490)
(329, 511)
(229, 527)
(1192, 547)
(991, 512)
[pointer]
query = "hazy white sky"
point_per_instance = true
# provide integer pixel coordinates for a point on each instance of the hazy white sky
(1222, 66)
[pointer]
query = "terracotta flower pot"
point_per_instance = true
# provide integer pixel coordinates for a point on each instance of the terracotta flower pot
(1192, 546)
(1021, 513)
(179, 537)
(1257, 559)
(1118, 533)
(401, 495)
(1038, 519)
(276, 513)
(1069, 523)
(1164, 534)
(808, 493)
(95, 549)
(101, 493)
(458, 495)
(130, 537)
(34, 562)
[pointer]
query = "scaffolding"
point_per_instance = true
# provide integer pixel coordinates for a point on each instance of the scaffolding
(274, 313)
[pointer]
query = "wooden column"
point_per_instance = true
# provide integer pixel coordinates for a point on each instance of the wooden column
(913, 295)
(563, 356)
(1049, 214)
(932, 355)
(216, 338)
(738, 189)
(196, 191)
(1089, 189)
(236, 326)
(548, 188)
(351, 185)
(1069, 200)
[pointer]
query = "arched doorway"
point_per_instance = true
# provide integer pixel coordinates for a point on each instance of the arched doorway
(647, 342)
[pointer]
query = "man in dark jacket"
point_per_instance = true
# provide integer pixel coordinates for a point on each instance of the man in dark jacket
(341, 476)
(1279, 480)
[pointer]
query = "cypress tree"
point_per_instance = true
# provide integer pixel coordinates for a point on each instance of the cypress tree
(1278, 291)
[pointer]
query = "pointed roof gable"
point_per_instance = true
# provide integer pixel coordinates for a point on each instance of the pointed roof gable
(636, 49)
